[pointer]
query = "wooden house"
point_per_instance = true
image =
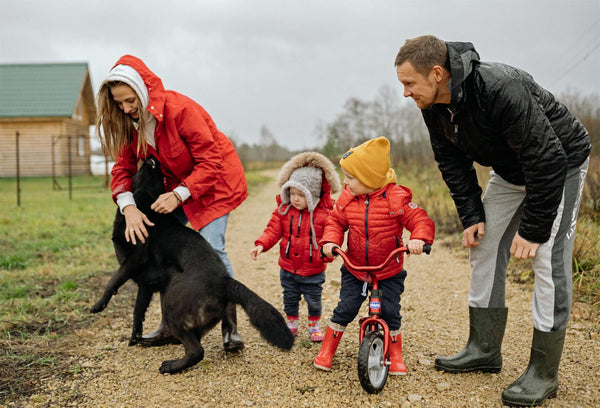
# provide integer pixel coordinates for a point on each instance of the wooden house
(50, 107)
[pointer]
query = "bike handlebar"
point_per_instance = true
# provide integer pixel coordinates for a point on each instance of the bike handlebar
(368, 268)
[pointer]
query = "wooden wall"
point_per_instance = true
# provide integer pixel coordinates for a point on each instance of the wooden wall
(38, 139)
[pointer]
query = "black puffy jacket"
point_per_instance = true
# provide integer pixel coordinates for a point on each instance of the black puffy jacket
(500, 117)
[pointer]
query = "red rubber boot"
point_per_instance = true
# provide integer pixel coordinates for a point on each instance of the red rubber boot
(332, 338)
(397, 366)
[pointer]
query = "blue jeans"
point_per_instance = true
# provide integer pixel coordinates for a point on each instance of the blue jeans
(214, 233)
(351, 299)
(294, 286)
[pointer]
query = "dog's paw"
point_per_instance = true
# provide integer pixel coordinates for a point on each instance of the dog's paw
(133, 341)
(168, 367)
(98, 307)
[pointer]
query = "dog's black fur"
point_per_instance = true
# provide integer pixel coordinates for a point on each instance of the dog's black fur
(194, 284)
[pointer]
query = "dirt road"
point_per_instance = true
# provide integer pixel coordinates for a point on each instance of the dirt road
(108, 373)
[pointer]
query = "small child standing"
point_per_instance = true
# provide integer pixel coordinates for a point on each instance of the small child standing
(307, 181)
(375, 210)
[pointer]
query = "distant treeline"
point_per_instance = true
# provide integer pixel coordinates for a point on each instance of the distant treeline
(397, 118)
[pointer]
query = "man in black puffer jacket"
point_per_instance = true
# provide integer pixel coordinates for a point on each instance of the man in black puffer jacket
(498, 116)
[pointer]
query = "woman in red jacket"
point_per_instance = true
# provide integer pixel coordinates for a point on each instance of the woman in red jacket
(204, 178)
(306, 182)
(374, 210)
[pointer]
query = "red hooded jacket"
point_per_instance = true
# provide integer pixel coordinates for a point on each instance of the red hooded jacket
(297, 254)
(375, 222)
(192, 152)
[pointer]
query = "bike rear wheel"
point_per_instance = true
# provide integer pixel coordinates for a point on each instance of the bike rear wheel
(372, 367)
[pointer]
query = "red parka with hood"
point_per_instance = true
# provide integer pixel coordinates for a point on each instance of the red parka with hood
(291, 227)
(297, 254)
(192, 152)
(375, 223)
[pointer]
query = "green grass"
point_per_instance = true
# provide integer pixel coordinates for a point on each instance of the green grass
(51, 245)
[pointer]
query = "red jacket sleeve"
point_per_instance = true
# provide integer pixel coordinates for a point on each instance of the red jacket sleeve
(272, 233)
(123, 170)
(335, 227)
(416, 220)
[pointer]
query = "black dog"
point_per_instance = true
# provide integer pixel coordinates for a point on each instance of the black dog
(194, 284)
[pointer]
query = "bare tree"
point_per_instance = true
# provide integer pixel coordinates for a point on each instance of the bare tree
(387, 115)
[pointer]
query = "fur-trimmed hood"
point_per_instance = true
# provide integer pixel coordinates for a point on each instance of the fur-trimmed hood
(331, 180)
(330, 184)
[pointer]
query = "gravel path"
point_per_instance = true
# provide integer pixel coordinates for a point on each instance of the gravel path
(108, 373)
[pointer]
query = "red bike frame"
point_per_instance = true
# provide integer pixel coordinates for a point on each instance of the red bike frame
(374, 319)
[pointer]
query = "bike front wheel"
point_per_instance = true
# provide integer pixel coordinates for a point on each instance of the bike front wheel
(372, 367)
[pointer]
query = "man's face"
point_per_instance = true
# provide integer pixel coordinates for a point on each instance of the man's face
(423, 89)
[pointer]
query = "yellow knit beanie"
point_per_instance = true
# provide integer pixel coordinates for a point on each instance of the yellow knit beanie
(370, 163)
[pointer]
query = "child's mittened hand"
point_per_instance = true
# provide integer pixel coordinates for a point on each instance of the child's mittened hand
(256, 251)
(415, 246)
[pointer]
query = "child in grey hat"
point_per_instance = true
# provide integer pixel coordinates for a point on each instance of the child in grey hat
(307, 181)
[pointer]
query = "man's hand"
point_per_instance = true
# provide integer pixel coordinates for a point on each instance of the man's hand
(135, 224)
(473, 234)
(523, 249)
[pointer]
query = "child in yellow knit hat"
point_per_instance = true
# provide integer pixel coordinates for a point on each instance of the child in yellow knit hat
(375, 210)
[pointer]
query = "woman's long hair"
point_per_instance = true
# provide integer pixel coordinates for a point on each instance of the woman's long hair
(114, 127)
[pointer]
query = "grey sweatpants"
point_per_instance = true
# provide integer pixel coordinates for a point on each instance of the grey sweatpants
(503, 206)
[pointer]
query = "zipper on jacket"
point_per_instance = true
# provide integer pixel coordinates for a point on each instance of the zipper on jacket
(367, 229)
(287, 247)
(452, 113)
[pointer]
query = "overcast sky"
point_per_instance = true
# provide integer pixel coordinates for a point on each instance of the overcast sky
(292, 64)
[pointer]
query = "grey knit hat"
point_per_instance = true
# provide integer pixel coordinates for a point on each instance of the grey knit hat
(307, 179)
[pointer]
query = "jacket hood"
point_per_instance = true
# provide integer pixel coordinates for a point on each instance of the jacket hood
(156, 90)
(331, 181)
(307, 179)
(462, 57)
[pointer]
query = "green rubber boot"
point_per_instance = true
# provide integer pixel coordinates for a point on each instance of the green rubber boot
(483, 349)
(540, 380)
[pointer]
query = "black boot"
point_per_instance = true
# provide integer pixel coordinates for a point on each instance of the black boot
(483, 349)
(232, 341)
(540, 380)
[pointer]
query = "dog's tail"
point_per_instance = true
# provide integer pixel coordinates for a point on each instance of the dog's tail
(264, 317)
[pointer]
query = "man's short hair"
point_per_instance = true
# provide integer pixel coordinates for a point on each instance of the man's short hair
(424, 53)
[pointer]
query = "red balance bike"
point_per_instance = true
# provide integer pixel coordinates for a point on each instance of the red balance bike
(374, 336)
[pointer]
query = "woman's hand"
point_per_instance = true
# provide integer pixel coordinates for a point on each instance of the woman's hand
(166, 203)
(135, 224)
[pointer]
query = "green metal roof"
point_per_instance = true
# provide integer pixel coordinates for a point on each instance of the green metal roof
(34, 90)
